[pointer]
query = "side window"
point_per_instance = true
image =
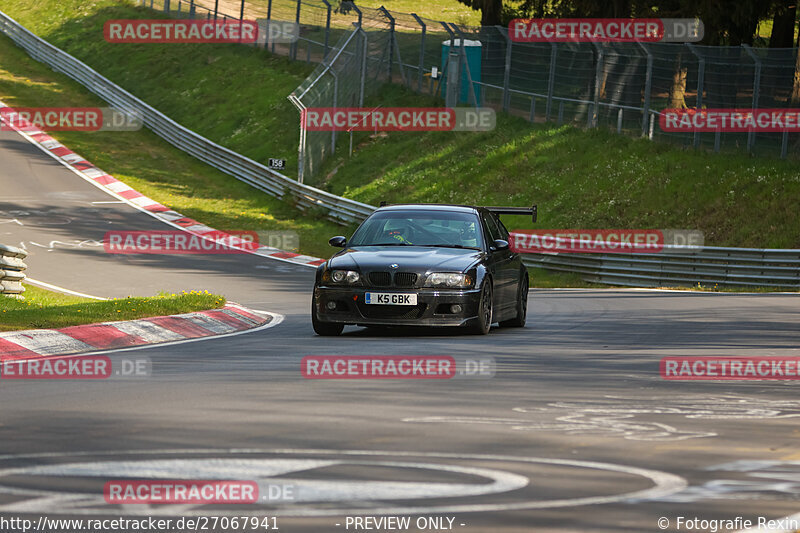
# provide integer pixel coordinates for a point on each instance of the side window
(503, 231)
(493, 232)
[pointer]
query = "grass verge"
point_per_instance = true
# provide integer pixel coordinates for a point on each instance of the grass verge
(551, 279)
(46, 309)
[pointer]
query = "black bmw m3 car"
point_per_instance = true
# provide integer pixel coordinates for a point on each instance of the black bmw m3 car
(424, 265)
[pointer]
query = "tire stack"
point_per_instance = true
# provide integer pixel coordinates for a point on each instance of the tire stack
(12, 270)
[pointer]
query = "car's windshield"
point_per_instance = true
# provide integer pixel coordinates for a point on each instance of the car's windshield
(419, 228)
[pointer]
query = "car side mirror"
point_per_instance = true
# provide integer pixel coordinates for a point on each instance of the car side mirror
(338, 241)
(499, 244)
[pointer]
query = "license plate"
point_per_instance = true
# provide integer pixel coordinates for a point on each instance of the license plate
(390, 298)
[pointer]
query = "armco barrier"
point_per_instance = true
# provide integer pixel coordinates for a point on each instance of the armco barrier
(721, 266)
(742, 267)
(12, 269)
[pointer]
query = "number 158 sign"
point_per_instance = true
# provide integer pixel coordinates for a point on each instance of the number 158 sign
(277, 164)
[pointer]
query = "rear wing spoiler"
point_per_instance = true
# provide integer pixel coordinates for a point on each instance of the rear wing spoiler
(532, 211)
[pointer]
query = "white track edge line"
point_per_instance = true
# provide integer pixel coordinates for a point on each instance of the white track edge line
(56, 288)
(277, 318)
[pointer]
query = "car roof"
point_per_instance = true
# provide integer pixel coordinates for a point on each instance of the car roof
(431, 207)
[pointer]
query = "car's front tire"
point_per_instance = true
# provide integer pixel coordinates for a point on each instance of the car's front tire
(324, 329)
(482, 324)
(522, 306)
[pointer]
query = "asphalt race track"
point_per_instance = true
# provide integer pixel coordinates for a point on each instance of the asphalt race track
(576, 431)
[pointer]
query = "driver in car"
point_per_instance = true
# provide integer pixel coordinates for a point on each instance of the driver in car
(398, 233)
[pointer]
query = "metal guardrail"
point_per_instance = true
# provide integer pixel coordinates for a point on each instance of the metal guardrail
(713, 265)
(12, 270)
(740, 267)
(335, 208)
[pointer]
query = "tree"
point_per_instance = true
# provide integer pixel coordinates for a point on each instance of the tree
(783, 20)
(491, 10)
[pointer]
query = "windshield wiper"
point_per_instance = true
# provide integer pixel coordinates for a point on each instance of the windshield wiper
(461, 246)
(386, 244)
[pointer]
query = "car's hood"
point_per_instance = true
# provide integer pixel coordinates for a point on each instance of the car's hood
(409, 259)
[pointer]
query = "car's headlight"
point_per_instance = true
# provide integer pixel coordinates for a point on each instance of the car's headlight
(448, 280)
(341, 276)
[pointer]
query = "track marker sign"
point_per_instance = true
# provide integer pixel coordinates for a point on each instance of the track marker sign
(277, 164)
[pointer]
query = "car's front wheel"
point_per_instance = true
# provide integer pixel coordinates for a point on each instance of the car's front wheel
(483, 323)
(325, 329)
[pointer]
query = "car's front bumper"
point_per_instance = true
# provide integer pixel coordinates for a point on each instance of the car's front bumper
(432, 309)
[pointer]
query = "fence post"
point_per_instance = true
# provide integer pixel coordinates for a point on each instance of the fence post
(462, 50)
(216, 8)
(166, 6)
(327, 28)
(507, 71)
(241, 19)
(391, 39)
(421, 51)
(751, 135)
(784, 144)
(648, 87)
(463, 61)
(191, 9)
(701, 72)
(335, 102)
(597, 78)
(551, 81)
(446, 65)
(301, 148)
(364, 52)
(297, 21)
(269, 22)
(451, 93)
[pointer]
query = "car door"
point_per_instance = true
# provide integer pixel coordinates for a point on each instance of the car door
(504, 277)
(516, 267)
